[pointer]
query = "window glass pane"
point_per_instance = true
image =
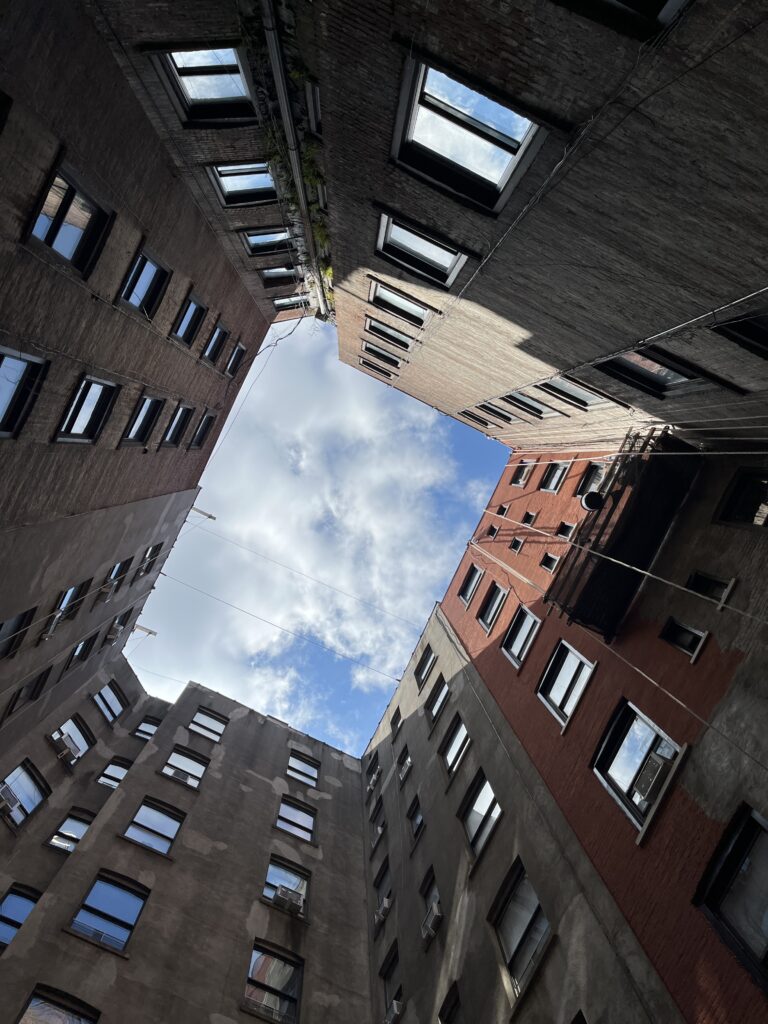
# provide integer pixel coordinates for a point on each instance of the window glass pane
(25, 789)
(521, 907)
(407, 306)
(632, 753)
(527, 948)
(52, 203)
(192, 308)
(75, 222)
(244, 181)
(115, 901)
(40, 1011)
(157, 820)
(421, 247)
(296, 814)
(138, 292)
(745, 905)
(112, 700)
(16, 907)
(748, 500)
(460, 145)
(453, 748)
(279, 875)
(203, 58)
(68, 833)
(147, 838)
(11, 373)
(273, 971)
(267, 237)
(177, 760)
(93, 393)
(649, 368)
(101, 929)
(213, 87)
(477, 106)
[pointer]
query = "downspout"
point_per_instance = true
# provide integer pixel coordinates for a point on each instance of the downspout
(281, 85)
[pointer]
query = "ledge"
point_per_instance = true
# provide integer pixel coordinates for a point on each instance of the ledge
(170, 778)
(143, 846)
(303, 918)
(98, 945)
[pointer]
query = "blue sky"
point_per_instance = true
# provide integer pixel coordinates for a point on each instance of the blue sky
(344, 479)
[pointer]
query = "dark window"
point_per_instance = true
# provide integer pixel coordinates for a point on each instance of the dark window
(564, 681)
(633, 761)
(368, 365)
(281, 276)
(398, 304)
(734, 891)
(87, 411)
(416, 251)
(381, 354)
(114, 580)
(460, 138)
(502, 510)
(71, 831)
(591, 479)
(202, 430)
(80, 653)
(264, 241)
(495, 413)
(553, 477)
(389, 334)
(244, 184)
(72, 739)
(110, 911)
(274, 985)
(479, 812)
(148, 559)
(291, 302)
(23, 791)
(424, 666)
(415, 818)
(13, 631)
(215, 344)
(15, 908)
(450, 1010)
(404, 765)
(185, 766)
(683, 637)
(235, 359)
(177, 426)
(437, 698)
(520, 473)
(21, 378)
(145, 285)
(116, 627)
(574, 394)
(114, 772)
(491, 606)
(207, 723)
(491, 531)
(549, 562)
(746, 501)
(710, 586)
(298, 820)
(528, 518)
(25, 694)
(110, 701)
(516, 545)
(191, 316)
(155, 825)
(749, 331)
(142, 423)
(303, 769)
(650, 370)
(282, 876)
(70, 223)
(314, 112)
(377, 822)
(530, 405)
(470, 583)
(382, 883)
(209, 84)
(520, 635)
(390, 976)
(395, 722)
(455, 745)
(147, 728)
(565, 530)
(521, 927)
(49, 1007)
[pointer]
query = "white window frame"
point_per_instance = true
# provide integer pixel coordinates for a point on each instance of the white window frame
(420, 267)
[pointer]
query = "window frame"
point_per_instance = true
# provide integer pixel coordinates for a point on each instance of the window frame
(671, 625)
(47, 996)
(24, 892)
(550, 566)
(202, 431)
(742, 473)
(144, 440)
(392, 309)
(281, 246)
(697, 377)
(515, 878)
(25, 392)
(270, 950)
(237, 355)
(189, 755)
(249, 197)
(419, 267)
(401, 341)
(415, 820)
(487, 603)
(531, 406)
(105, 779)
(295, 869)
(186, 419)
(521, 616)
(75, 814)
(297, 774)
(169, 811)
(423, 668)
(39, 783)
(206, 113)
(473, 577)
(551, 473)
(441, 684)
(188, 336)
(524, 467)
(203, 730)
(374, 351)
(10, 645)
(481, 837)
(129, 885)
(551, 387)
(151, 720)
(100, 414)
(305, 809)
(556, 710)
(155, 292)
(452, 732)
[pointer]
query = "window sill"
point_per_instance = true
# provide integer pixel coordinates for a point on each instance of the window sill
(294, 917)
(292, 835)
(532, 973)
(654, 811)
(143, 846)
(253, 1012)
(170, 778)
(98, 945)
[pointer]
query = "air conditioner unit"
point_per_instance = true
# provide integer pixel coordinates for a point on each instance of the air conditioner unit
(113, 634)
(405, 769)
(651, 777)
(50, 628)
(106, 591)
(65, 746)
(179, 773)
(394, 1013)
(432, 921)
(288, 899)
(374, 779)
(380, 915)
(8, 799)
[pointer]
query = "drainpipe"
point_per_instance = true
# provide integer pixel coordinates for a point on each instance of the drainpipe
(278, 73)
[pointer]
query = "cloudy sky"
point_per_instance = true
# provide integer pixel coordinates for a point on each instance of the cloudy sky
(333, 474)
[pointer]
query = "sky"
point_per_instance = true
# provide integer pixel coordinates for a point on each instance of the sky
(334, 474)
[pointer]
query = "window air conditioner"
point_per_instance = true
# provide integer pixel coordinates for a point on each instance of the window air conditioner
(179, 773)
(51, 627)
(288, 899)
(8, 799)
(113, 634)
(380, 915)
(65, 746)
(651, 777)
(405, 769)
(374, 779)
(107, 590)
(432, 921)
(394, 1013)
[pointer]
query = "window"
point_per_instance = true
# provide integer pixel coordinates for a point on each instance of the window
(734, 890)
(185, 766)
(553, 477)
(202, 430)
(110, 701)
(470, 584)
(382, 883)
(455, 745)
(114, 772)
(565, 530)
(280, 873)
(416, 251)
(450, 1010)
(71, 830)
(312, 92)
(416, 819)
(177, 426)
(147, 728)
(429, 891)
(264, 241)
(437, 699)
(528, 518)
(398, 304)
(746, 500)
(395, 722)
(685, 638)
(15, 908)
(520, 635)
(750, 332)
(215, 344)
(142, 423)
(72, 740)
(155, 825)
(209, 84)
(404, 765)
(516, 545)
(591, 479)
(520, 473)
(145, 285)
(49, 1007)
(633, 761)
(274, 985)
(564, 680)
(114, 579)
(13, 631)
(390, 975)
(87, 411)
(110, 911)
(381, 353)
(303, 768)
(117, 627)
(282, 276)
(25, 694)
(530, 405)
(70, 223)
(389, 334)
(188, 321)
(521, 927)
(148, 559)
(244, 184)
(235, 359)
(460, 138)
(650, 370)
(492, 531)
(80, 653)
(424, 666)
(291, 302)
(27, 791)
(572, 393)
(368, 365)
(296, 819)
(549, 562)
(710, 586)
(207, 723)
(495, 413)
(479, 813)
(491, 606)
(377, 822)
(21, 378)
